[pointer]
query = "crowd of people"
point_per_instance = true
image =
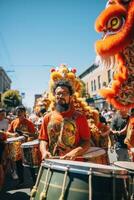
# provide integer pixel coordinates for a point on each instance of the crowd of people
(64, 132)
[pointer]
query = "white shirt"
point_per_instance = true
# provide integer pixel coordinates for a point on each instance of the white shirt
(4, 124)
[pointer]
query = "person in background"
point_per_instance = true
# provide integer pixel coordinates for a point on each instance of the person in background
(22, 126)
(3, 128)
(40, 114)
(101, 117)
(129, 140)
(119, 126)
(64, 131)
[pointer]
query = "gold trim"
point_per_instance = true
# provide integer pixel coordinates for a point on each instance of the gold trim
(72, 189)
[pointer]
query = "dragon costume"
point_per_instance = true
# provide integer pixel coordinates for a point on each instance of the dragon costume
(116, 49)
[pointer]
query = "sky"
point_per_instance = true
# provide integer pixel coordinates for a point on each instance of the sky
(36, 35)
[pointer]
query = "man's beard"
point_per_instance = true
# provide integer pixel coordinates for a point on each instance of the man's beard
(62, 107)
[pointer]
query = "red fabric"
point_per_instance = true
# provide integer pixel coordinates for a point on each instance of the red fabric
(23, 125)
(83, 132)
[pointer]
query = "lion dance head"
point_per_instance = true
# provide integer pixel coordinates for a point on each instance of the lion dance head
(116, 49)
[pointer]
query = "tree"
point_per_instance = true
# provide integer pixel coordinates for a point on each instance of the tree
(11, 99)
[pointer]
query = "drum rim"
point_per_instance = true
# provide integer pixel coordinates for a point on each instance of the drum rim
(85, 168)
(33, 143)
(120, 165)
(15, 139)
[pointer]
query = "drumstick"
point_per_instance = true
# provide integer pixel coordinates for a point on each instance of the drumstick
(24, 133)
(79, 157)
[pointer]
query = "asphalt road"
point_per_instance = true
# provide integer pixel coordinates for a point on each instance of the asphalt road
(11, 192)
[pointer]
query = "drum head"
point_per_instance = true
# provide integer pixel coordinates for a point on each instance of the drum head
(30, 144)
(76, 166)
(94, 152)
(125, 165)
(15, 139)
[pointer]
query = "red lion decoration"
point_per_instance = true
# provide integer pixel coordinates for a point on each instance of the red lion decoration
(116, 48)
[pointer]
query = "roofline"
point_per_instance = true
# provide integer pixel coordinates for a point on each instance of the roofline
(1, 69)
(88, 70)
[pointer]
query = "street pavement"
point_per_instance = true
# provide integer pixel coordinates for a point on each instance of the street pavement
(12, 193)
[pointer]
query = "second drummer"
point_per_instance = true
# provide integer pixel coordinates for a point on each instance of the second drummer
(22, 126)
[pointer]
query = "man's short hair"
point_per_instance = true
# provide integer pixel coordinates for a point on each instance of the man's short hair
(20, 108)
(63, 84)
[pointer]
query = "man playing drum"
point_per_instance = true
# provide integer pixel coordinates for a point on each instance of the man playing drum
(64, 131)
(22, 126)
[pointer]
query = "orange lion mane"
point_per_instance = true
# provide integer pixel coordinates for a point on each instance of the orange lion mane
(117, 44)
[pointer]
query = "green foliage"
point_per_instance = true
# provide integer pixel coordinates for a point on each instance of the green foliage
(11, 98)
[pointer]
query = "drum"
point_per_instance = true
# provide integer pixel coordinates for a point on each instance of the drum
(30, 154)
(68, 180)
(130, 167)
(96, 155)
(14, 147)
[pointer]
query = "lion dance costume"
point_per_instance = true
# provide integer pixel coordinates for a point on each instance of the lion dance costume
(116, 48)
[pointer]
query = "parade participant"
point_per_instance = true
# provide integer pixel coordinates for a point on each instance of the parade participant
(129, 140)
(40, 114)
(3, 128)
(119, 126)
(40, 108)
(21, 123)
(100, 132)
(22, 126)
(64, 131)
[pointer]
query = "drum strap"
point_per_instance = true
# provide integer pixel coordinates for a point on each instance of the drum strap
(90, 184)
(64, 185)
(34, 189)
(43, 194)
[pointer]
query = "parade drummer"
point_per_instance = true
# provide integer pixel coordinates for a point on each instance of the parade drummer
(24, 127)
(64, 131)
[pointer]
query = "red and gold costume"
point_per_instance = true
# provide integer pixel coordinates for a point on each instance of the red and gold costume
(116, 49)
(54, 124)
(68, 128)
(23, 125)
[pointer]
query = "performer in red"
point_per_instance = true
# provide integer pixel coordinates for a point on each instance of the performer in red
(64, 131)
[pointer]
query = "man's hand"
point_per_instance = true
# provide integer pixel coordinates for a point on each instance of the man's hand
(46, 154)
(12, 134)
(72, 155)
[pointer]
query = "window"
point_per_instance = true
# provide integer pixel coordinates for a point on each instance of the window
(87, 87)
(94, 85)
(99, 83)
(109, 75)
(92, 88)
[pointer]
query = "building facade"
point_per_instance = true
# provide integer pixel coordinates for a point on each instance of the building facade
(5, 81)
(96, 78)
